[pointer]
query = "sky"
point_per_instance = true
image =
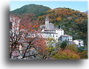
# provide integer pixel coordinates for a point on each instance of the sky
(76, 5)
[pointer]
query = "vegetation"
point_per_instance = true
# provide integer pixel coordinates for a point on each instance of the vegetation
(32, 16)
(83, 55)
(63, 45)
(31, 9)
(66, 54)
(36, 45)
(72, 47)
(73, 22)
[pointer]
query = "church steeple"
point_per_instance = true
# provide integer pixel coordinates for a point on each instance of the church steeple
(47, 22)
(47, 18)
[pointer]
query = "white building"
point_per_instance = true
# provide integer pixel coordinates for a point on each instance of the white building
(52, 33)
(79, 42)
(49, 31)
(66, 38)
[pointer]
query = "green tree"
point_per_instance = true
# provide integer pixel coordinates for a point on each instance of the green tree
(51, 49)
(63, 45)
(51, 42)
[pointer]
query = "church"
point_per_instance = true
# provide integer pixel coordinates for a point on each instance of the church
(49, 31)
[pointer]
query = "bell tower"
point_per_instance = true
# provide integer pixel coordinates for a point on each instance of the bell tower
(47, 22)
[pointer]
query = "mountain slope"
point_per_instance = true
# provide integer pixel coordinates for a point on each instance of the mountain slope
(72, 21)
(31, 9)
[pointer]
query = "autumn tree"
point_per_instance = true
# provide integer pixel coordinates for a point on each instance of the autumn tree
(51, 47)
(83, 54)
(29, 33)
(14, 33)
(72, 47)
(66, 54)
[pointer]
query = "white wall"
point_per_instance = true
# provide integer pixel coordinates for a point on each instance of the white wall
(60, 32)
(77, 42)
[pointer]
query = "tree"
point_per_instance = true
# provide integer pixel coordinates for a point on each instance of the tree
(29, 33)
(63, 45)
(83, 55)
(15, 35)
(81, 49)
(51, 42)
(72, 47)
(51, 47)
(66, 54)
(59, 19)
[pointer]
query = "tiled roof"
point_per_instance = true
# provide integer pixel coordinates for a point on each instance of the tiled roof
(53, 29)
(49, 32)
(65, 35)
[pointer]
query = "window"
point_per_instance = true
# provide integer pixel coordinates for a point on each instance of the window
(53, 35)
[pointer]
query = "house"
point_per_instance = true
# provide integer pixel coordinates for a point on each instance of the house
(66, 38)
(79, 42)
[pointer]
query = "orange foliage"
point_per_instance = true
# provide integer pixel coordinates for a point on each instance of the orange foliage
(67, 54)
(40, 43)
(59, 19)
(79, 20)
(83, 55)
(28, 24)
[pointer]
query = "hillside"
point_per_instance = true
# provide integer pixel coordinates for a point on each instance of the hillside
(72, 21)
(31, 9)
